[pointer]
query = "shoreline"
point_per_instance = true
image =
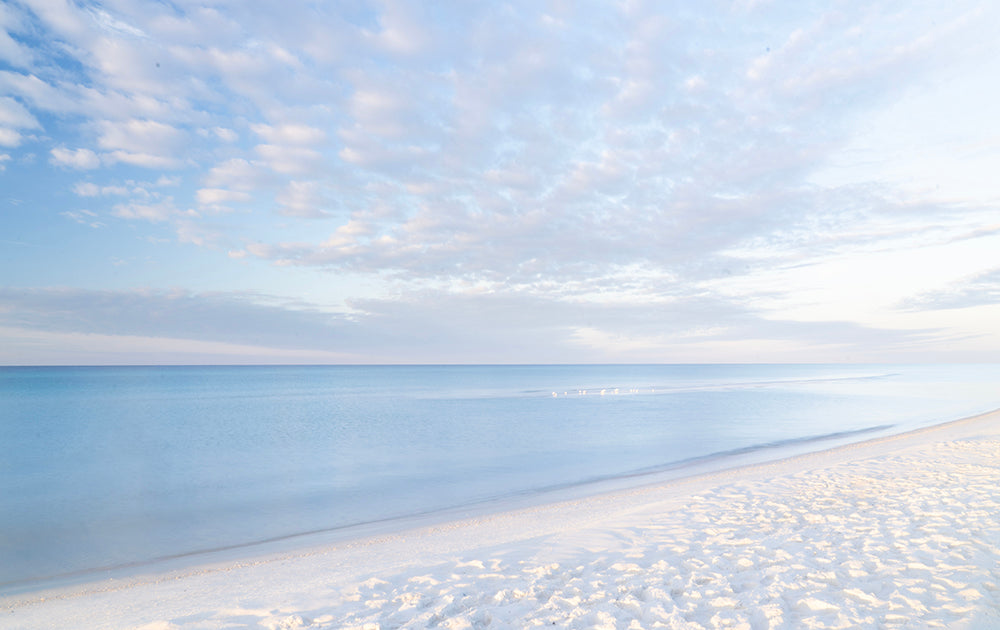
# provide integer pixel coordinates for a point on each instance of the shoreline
(660, 532)
(582, 489)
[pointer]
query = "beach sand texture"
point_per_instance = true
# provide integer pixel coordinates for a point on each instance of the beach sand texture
(900, 532)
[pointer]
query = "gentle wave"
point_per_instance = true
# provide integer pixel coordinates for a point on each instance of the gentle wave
(401, 520)
(111, 469)
(778, 444)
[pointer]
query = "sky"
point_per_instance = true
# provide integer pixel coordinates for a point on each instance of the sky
(498, 182)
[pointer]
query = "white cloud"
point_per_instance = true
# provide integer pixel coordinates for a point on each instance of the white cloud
(402, 31)
(381, 111)
(289, 134)
(140, 137)
(113, 24)
(38, 92)
(236, 174)
(4, 158)
(600, 155)
(289, 160)
(83, 217)
(25, 346)
(213, 196)
(9, 138)
(197, 233)
(15, 115)
(133, 323)
(90, 189)
(12, 51)
(225, 134)
(64, 18)
(145, 160)
(83, 159)
(164, 181)
(156, 212)
(305, 199)
(87, 189)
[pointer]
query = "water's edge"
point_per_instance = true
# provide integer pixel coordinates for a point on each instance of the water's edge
(700, 465)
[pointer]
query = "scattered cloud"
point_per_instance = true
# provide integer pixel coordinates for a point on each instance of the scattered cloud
(289, 160)
(144, 143)
(237, 174)
(113, 25)
(222, 133)
(82, 159)
(305, 199)
(979, 290)
(156, 212)
(289, 134)
(14, 115)
(84, 217)
(214, 196)
(9, 138)
(172, 314)
(451, 325)
(13, 51)
(630, 182)
(89, 189)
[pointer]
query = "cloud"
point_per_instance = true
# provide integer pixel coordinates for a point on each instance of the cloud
(145, 160)
(89, 189)
(215, 317)
(84, 217)
(82, 159)
(435, 327)
(15, 115)
(549, 156)
(296, 134)
(224, 134)
(306, 199)
(9, 138)
(236, 174)
(38, 92)
(156, 212)
(402, 30)
(137, 135)
(214, 196)
(980, 290)
(164, 181)
(145, 143)
(198, 232)
(12, 51)
(113, 24)
(289, 160)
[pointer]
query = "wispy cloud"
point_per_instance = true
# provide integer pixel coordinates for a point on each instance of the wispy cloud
(553, 157)
(980, 290)
(532, 328)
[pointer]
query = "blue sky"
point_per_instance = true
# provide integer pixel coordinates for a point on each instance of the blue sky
(381, 182)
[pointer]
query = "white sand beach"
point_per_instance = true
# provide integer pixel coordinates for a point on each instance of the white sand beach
(901, 532)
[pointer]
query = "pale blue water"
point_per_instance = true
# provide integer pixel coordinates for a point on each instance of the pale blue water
(104, 467)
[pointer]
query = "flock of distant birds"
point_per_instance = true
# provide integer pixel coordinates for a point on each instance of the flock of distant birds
(616, 390)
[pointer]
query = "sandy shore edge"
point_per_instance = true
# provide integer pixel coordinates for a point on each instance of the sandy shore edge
(902, 531)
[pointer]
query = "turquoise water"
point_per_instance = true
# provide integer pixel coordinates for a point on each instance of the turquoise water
(106, 467)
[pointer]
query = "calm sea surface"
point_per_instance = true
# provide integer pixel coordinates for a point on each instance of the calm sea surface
(105, 467)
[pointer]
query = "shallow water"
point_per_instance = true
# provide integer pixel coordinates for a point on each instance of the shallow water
(103, 467)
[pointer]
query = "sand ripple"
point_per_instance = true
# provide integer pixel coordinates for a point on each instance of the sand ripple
(904, 537)
(852, 546)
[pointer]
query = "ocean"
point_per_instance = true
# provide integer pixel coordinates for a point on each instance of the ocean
(106, 469)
